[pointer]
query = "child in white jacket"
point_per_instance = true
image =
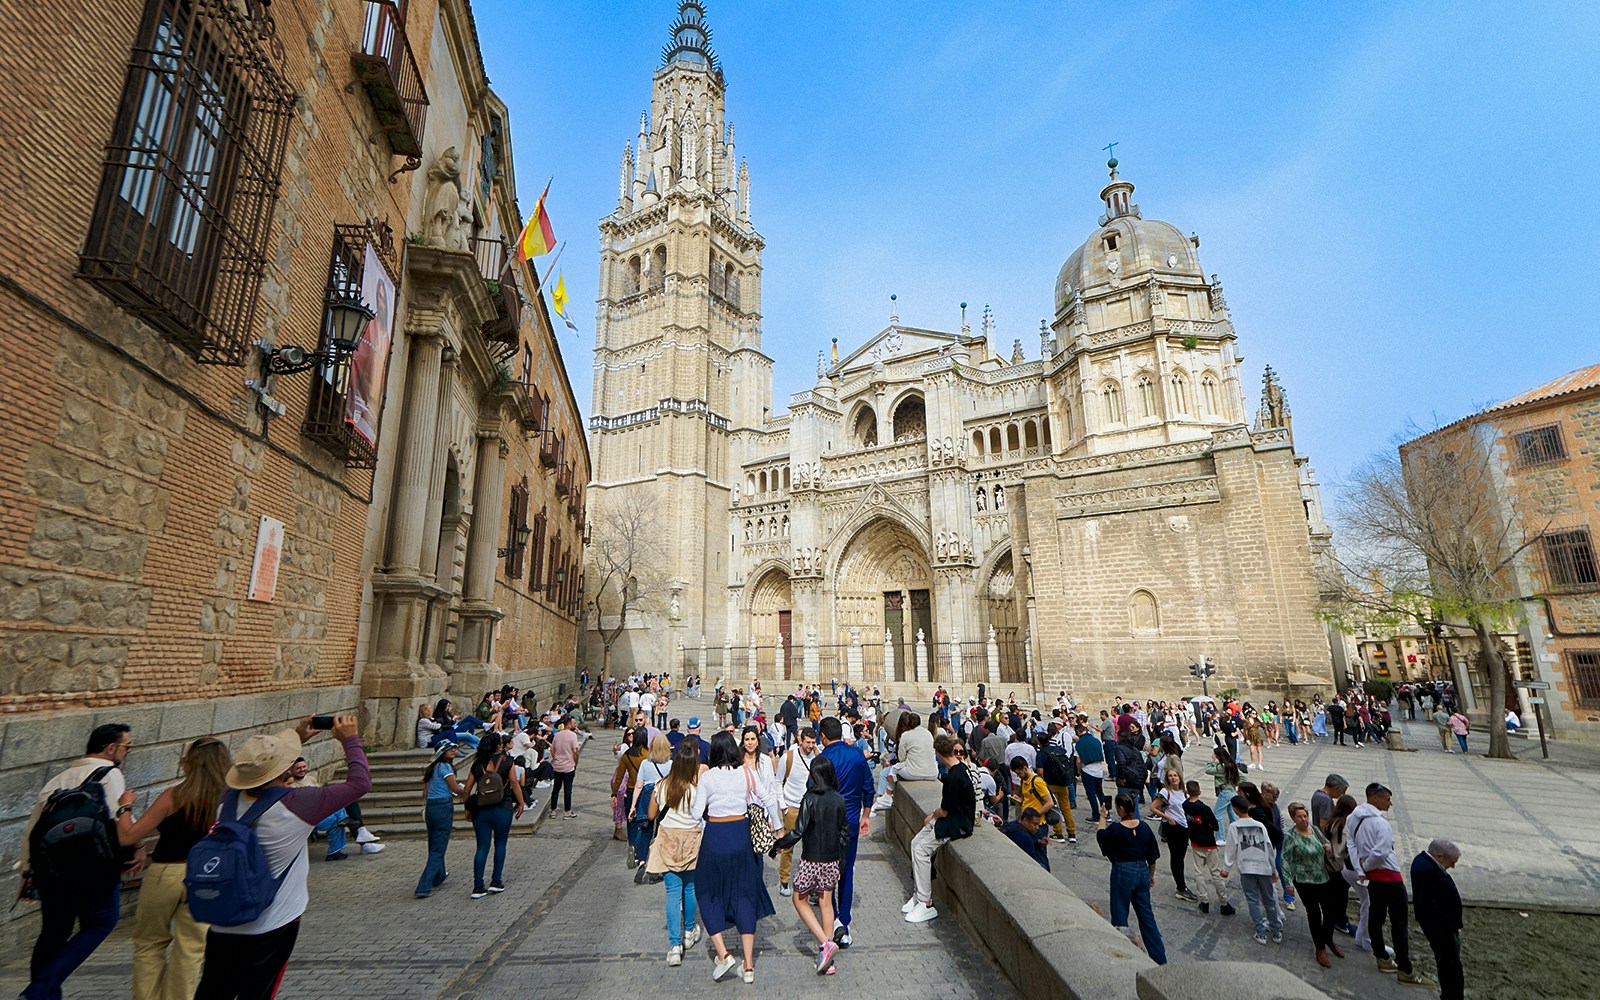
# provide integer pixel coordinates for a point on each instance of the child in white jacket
(1249, 849)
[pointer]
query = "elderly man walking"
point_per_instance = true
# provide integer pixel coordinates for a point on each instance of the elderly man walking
(1438, 908)
(1371, 846)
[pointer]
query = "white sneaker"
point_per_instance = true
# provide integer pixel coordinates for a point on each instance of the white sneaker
(921, 914)
(675, 955)
(365, 836)
(749, 976)
(546, 783)
(909, 905)
(784, 890)
(722, 967)
(691, 937)
(373, 848)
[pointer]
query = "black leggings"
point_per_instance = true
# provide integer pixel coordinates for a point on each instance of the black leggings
(1320, 898)
(246, 966)
(563, 785)
(1177, 839)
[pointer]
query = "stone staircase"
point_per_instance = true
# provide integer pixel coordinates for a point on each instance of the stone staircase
(393, 809)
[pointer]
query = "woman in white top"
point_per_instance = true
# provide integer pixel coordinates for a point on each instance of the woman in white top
(652, 771)
(729, 888)
(762, 770)
(675, 807)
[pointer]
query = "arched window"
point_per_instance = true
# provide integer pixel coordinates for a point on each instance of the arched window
(977, 444)
(1044, 427)
(994, 440)
(749, 484)
(719, 280)
(1030, 435)
(732, 294)
(1180, 392)
(1143, 612)
(633, 285)
(1113, 402)
(658, 273)
(1013, 441)
(761, 478)
(785, 473)
(1208, 396)
(1145, 390)
(910, 420)
(865, 430)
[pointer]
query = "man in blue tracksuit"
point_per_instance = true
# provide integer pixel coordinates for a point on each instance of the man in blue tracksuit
(854, 776)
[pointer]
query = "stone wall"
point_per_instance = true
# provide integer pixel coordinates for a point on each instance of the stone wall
(35, 746)
(1049, 942)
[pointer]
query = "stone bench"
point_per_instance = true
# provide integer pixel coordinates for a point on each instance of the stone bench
(1050, 943)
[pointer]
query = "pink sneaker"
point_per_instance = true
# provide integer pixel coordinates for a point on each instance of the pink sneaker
(825, 957)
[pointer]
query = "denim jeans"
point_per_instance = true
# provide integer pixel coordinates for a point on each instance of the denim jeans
(1096, 791)
(680, 904)
(1461, 738)
(493, 823)
(1130, 884)
(1292, 730)
(333, 826)
(59, 951)
(439, 815)
(1263, 902)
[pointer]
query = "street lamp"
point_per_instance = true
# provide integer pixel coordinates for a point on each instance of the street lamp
(520, 542)
(347, 317)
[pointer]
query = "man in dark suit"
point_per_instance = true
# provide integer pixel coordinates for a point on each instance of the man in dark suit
(1438, 908)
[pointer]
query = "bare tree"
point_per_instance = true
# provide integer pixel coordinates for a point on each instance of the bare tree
(1427, 539)
(625, 564)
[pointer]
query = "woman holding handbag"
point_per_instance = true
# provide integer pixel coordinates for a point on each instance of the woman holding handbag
(632, 752)
(652, 771)
(675, 807)
(741, 819)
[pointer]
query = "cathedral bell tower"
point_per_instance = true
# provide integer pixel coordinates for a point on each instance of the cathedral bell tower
(679, 377)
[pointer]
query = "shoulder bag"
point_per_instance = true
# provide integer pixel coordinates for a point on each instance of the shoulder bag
(761, 839)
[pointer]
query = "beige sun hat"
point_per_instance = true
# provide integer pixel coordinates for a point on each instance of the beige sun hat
(263, 758)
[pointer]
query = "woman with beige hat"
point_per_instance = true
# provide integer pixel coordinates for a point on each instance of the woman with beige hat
(246, 962)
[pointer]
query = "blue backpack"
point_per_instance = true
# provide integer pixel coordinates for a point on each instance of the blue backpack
(228, 879)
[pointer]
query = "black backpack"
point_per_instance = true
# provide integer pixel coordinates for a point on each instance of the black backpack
(75, 838)
(1055, 763)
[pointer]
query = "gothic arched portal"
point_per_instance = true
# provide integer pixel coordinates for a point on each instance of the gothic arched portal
(883, 584)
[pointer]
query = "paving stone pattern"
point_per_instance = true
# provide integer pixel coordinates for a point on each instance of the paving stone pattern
(571, 921)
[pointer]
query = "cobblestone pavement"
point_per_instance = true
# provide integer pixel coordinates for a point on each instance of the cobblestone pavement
(571, 922)
(572, 918)
(1524, 827)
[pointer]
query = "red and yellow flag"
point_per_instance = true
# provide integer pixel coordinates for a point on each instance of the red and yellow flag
(538, 237)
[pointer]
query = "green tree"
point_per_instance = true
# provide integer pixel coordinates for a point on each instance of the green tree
(1425, 533)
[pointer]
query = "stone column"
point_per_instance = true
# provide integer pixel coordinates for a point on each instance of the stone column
(955, 656)
(922, 658)
(727, 656)
(433, 522)
(700, 659)
(888, 656)
(994, 661)
(414, 473)
(476, 669)
(852, 662)
(777, 657)
(752, 663)
(813, 657)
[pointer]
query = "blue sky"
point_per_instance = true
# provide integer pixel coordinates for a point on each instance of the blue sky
(1402, 199)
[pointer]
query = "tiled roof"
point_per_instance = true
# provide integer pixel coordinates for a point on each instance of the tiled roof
(1576, 381)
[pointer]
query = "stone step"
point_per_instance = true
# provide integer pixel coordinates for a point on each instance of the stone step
(401, 817)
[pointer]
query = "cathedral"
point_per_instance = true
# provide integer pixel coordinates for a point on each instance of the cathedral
(936, 509)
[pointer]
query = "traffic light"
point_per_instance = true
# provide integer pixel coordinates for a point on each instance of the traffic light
(1194, 670)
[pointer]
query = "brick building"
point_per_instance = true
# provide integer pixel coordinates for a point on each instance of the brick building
(211, 203)
(1544, 448)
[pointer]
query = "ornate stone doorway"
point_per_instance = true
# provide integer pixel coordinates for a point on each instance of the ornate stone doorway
(771, 614)
(998, 600)
(883, 586)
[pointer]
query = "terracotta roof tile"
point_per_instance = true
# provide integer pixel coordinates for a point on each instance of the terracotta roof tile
(1576, 381)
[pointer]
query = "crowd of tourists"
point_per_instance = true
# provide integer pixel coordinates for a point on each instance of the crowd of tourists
(702, 806)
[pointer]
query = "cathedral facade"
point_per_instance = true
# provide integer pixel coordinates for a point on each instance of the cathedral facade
(934, 510)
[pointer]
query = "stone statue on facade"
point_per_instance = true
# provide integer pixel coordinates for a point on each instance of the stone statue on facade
(999, 498)
(443, 221)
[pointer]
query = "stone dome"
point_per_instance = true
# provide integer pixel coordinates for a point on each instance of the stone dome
(1127, 248)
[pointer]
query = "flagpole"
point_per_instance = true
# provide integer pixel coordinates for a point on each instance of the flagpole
(551, 269)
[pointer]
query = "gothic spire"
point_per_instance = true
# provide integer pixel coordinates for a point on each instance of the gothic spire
(691, 38)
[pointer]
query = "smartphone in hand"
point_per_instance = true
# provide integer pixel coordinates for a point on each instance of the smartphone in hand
(322, 722)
